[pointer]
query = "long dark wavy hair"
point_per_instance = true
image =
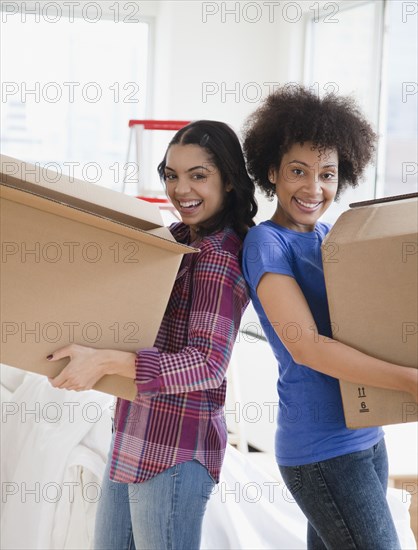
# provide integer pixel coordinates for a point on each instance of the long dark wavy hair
(223, 146)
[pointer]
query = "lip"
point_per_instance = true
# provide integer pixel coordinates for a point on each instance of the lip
(314, 205)
(184, 209)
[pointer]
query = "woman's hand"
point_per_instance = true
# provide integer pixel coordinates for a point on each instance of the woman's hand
(86, 367)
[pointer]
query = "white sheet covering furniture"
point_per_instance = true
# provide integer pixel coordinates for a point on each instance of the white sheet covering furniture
(54, 447)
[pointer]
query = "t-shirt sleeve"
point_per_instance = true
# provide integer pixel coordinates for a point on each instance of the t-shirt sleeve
(265, 252)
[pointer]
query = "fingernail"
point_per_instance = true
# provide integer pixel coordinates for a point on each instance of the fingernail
(49, 357)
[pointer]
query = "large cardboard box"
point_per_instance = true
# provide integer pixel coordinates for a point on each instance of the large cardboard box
(80, 263)
(370, 259)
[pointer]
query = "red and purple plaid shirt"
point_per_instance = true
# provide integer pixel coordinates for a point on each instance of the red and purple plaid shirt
(178, 414)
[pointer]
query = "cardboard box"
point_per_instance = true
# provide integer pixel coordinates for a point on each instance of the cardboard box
(80, 263)
(370, 262)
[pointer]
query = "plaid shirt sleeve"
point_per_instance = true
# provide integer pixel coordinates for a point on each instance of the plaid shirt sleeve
(218, 300)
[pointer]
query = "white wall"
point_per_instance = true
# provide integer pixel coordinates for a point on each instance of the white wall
(200, 57)
(194, 55)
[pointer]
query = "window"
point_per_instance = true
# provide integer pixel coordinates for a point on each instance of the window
(398, 151)
(69, 88)
(368, 50)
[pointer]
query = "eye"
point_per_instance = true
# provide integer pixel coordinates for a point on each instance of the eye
(329, 176)
(199, 176)
(297, 171)
(169, 176)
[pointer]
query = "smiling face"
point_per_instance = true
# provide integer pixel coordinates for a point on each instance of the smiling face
(306, 185)
(194, 184)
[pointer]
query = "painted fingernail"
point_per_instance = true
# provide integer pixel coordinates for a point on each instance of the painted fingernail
(49, 357)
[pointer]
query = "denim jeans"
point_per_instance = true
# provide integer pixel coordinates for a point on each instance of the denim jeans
(162, 513)
(344, 500)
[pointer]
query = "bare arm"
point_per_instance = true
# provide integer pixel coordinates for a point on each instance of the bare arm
(88, 365)
(284, 302)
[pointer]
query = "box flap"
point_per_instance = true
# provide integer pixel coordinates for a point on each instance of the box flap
(383, 199)
(376, 220)
(159, 237)
(85, 196)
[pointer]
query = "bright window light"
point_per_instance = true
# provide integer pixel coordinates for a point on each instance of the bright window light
(399, 149)
(371, 55)
(69, 89)
(343, 53)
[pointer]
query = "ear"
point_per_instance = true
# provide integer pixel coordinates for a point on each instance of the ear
(228, 187)
(272, 175)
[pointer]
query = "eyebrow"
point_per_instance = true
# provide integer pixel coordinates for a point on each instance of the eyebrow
(331, 165)
(190, 169)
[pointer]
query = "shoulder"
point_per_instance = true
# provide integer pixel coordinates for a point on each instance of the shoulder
(223, 242)
(264, 238)
(219, 258)
(268, 248)
(180, 232)
(322, 228)
(265, 230)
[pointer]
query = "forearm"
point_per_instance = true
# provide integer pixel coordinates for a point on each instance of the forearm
(119, 362)
(285, 305)
(87, 365)
(187, 371)
(218, 299)
(346, 363)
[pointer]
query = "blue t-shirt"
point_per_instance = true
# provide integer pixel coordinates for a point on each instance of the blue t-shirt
(310, 418)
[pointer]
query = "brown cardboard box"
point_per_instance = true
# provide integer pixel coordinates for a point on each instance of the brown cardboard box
(80, 263)
(370, 262)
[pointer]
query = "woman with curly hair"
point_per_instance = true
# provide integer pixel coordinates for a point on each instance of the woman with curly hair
(304, 151)
(169, 444)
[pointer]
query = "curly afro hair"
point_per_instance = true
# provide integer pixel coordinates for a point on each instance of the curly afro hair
(294, 114)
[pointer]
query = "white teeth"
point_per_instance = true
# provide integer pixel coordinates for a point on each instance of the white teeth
(189, 204)
(307, 204)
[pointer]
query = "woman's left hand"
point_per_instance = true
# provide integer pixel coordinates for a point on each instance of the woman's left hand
(86, 367)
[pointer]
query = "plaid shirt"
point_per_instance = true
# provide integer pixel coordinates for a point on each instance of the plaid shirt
(178, 414)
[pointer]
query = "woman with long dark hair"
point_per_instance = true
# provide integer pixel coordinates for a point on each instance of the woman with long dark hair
(169, 443)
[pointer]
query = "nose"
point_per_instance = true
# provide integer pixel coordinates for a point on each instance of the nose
(182, 186)
(314, 182)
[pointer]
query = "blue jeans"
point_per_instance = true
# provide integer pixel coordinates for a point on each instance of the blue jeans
(344, 500)
(162, 513)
